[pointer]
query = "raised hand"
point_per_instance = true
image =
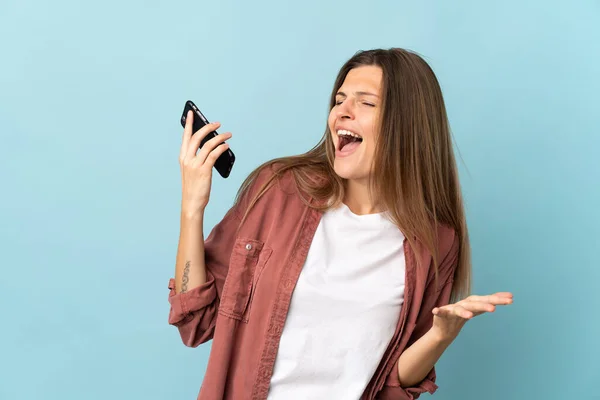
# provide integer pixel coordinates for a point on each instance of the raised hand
(449, 319)
(197, 165)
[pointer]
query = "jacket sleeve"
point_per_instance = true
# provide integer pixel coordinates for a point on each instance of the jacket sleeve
(435, 296)
(194, 312)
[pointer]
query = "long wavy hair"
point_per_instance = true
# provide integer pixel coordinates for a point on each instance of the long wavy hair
(417, 180)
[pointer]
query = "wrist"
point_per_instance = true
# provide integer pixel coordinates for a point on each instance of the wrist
(440, 337)
(192, 215)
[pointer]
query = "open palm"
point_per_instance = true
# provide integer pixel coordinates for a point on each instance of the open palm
(449, 319)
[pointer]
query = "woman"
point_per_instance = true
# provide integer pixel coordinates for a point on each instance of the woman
(339, 273)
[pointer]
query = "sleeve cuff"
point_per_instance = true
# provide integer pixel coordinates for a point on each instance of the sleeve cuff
(184, 304)
(412, 392)
(426, 385)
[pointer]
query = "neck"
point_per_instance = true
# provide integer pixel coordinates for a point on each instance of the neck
(358, 199)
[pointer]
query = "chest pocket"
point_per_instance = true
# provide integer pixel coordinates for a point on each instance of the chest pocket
(248, 259)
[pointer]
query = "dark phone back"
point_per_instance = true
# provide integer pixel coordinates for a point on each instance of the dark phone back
(225, 162)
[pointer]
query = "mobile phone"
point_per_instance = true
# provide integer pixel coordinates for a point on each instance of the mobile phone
(224, 163)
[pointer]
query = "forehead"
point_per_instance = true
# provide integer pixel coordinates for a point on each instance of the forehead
(365, 78)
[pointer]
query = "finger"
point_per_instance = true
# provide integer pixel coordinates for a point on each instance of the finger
(194, 143)
(211, 145)
(496, 299)
(452, 311)
(187, 133)
(506, 295)
(215, 154)
(462, 312)
(442, 312)
(477, 307)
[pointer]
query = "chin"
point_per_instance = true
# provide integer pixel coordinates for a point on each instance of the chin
(348, 172)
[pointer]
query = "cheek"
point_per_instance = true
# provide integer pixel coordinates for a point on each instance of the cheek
(331, 120)
(370, 134)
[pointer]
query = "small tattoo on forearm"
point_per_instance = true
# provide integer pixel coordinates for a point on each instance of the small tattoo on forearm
(186, 278)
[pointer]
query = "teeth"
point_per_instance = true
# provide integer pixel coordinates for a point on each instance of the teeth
(343, 132)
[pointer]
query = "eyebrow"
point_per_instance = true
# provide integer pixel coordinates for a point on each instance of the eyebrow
(358, 93)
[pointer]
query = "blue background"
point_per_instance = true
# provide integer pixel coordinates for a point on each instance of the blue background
(90, 99)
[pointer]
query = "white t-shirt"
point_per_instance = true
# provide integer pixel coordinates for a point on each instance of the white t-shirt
(344, 309)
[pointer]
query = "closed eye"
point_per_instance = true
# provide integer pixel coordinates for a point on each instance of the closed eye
(339, 102)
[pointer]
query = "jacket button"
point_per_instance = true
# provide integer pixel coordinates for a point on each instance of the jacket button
(248, 246)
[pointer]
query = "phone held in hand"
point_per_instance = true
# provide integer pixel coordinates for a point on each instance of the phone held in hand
(225, 162)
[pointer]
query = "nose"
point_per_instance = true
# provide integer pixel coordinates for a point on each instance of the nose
(345, 110)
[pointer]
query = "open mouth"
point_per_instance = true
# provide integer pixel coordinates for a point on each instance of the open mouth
(348, 141)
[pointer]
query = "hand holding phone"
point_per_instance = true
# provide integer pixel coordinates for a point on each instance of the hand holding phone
(197, 164)
(225, 162)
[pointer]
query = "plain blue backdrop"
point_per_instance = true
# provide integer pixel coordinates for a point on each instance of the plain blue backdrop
(90, 99)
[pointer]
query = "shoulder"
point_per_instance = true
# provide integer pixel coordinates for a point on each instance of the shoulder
(269, 177)
(264, 184)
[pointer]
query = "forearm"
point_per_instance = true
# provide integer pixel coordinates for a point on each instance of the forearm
(417, 360)
(190, 267)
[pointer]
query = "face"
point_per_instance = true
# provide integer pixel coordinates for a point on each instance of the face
(354, 122)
